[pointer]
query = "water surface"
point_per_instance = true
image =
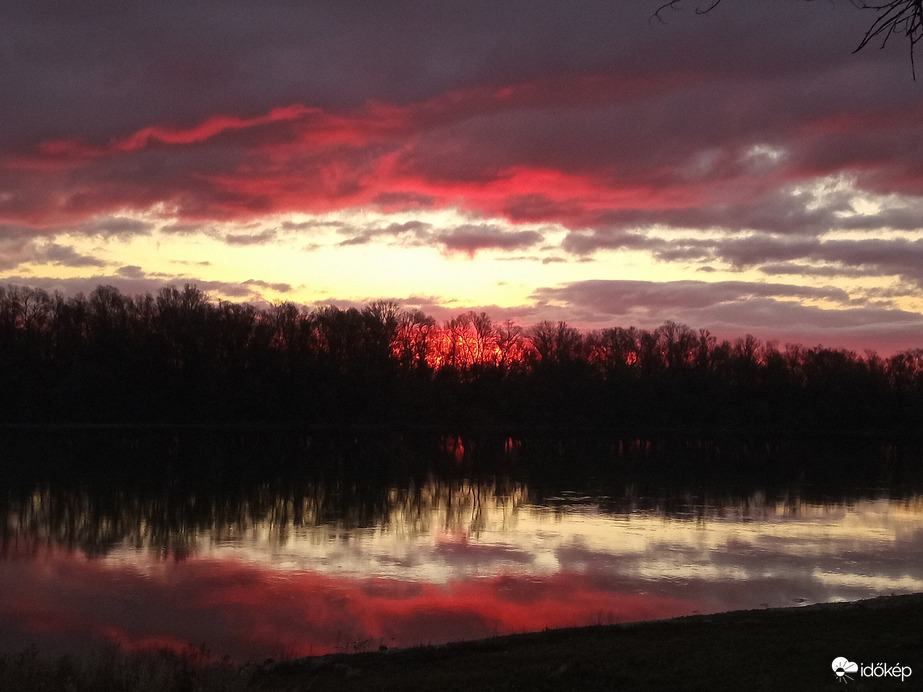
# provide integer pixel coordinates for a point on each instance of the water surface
(328, 566)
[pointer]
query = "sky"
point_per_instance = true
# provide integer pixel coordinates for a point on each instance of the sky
(741, 171)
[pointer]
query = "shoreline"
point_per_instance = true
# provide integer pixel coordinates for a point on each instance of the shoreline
(777, 648)
(770, 649)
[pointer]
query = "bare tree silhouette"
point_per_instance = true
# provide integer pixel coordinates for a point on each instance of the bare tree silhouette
(181, 357)
(895, 17)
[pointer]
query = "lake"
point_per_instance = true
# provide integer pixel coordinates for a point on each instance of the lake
(334, 562)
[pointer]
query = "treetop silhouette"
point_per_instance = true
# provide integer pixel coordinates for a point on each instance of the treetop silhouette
(182, 357)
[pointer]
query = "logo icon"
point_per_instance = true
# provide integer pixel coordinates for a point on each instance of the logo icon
(842, 666)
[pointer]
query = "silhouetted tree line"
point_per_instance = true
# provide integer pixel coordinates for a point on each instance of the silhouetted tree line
(180, 357)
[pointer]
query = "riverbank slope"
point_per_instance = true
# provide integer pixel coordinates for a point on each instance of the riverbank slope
(778, 649)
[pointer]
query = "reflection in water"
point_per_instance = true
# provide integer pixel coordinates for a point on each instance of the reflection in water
(339, 567)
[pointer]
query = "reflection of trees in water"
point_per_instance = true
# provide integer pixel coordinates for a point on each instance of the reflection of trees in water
(456, 508)
(717, 504)
(176, 524)
(173, 491)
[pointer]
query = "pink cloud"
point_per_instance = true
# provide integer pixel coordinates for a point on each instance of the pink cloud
(247, 611)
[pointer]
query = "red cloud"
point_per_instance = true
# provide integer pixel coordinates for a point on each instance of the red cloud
(247, 611)
(300, 158)
(208, 129)
(587, 151)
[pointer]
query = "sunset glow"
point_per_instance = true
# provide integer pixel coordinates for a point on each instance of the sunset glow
(740, 171)
(446, 564)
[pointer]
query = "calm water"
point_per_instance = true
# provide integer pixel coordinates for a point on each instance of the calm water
(331, 566)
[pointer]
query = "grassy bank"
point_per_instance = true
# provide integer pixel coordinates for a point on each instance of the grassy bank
(783, 649)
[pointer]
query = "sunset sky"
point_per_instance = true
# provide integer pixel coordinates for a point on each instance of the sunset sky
(740, 171)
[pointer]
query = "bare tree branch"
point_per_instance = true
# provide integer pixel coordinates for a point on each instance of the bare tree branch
(674, 5)
(894, 17)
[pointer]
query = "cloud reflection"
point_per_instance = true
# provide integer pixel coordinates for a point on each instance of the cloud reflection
(444, 564)
(243, 610)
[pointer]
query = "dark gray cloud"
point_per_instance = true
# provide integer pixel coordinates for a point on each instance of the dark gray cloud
(130, 280)
(900, 256)
(617, 297)
(411, 232)
(464, 238)
(854, 258)
(700, 107)
(849, 258)
(275, 286)
(14, 251)
(784, 212)
(175, 62)
(261, 238)
(403, 201)
(586, 242)
(470, 238)
(52, 253)
(115, 226)
(201, 263)
(533, 258)
(131, 272)
(797, 269)
(311, 225)
(111, 227)
(730, 309)
(12, 232)
(774, 254)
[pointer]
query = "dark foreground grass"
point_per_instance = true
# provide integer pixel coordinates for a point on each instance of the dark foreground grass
(785, 649)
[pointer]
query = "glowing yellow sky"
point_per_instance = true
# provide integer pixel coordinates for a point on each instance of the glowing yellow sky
(318, 266)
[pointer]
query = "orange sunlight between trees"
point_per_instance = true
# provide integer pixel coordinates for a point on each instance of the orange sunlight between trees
(178, 356)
